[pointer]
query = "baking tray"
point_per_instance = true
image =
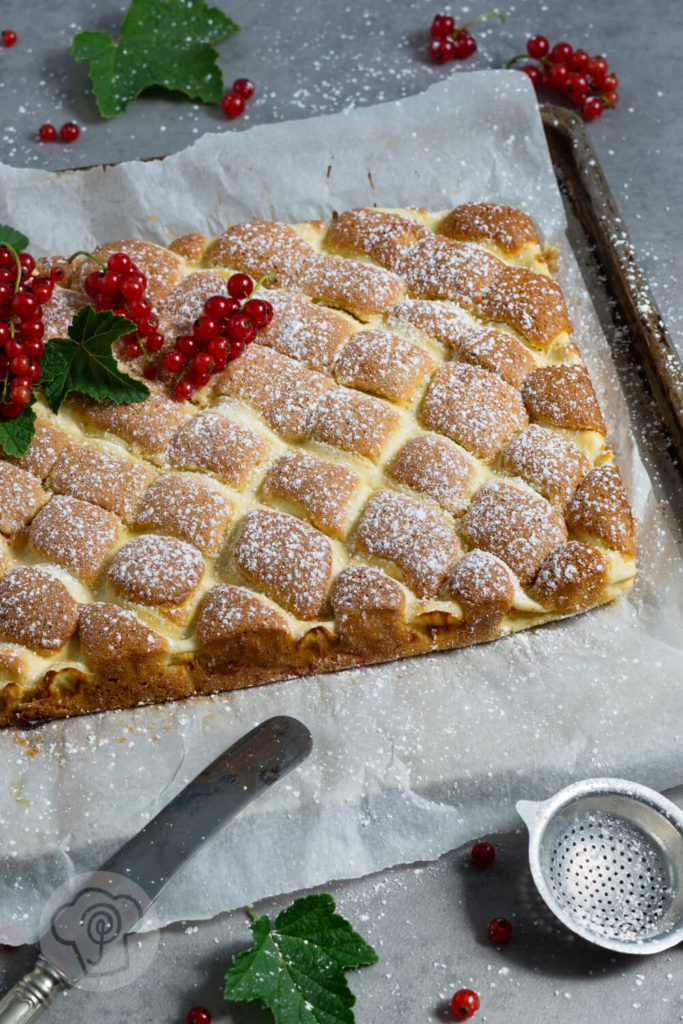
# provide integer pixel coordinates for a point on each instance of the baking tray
(649, 367)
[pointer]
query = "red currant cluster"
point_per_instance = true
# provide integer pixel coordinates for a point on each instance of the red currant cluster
(120, 286)
(220, 335)
(583, 79)
(21, 327)
(233, 102)
(69, 132)
(450, 42)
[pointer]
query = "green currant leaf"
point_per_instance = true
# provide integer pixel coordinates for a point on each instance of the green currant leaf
(162, 42)
(84, 361)
(16, 435)
(10, 236)
(297, 971)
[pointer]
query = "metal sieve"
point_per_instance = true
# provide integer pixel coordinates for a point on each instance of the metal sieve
(607, 857)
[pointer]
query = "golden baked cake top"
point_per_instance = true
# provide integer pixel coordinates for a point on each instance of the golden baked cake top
(410, 456)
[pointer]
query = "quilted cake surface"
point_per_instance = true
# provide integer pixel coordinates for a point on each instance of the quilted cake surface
(410, 456)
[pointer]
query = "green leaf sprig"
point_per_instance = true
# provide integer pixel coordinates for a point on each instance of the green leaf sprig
(297, 970)
(162, 42)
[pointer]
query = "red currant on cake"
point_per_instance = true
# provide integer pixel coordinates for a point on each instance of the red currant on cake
(465, 1003)
(500, 930)
(482, 854)
(240, 286)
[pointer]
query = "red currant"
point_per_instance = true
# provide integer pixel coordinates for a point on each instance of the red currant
(611, 98)
(218, 307)
(576, 87)
(4, 335)
(482, 854)
(32, 330)
(110, 282)
(6, 257)
(500, 930)
(139, 309)
(240, 286)
(173, 361)
(92, 284)
(202, 362)
(6, 293)
(560, 52)
(57, 273)
(592, 108)
(120, 263)
(240, 328)
(259, 312)
(199, 377)
(19, 394)
(154, 342)
(132, 289)
(243, 87)
(10, 410)
(236, 349)
(442, 50)
(69, 131)
(465, 45)
(151, 371)
(610, 83)
(24, 305)
(13, 348)
(133, 349)
(9, 37)
(19, 365)
(47, 132)
(34, 349)
(183, 390)
(148, 325)
(217, 347)
(597, 69)
(532, 71)
(559, 74)
(442, 26)
(537, 47)
(232, 104)
(186, 345)
(28, 264)
(579, 61)
(33, 372)
(465, 1003)
(205, 328)
(42, 288)
(199, 1015)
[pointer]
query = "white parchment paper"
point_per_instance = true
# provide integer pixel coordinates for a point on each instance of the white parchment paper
(412, 758)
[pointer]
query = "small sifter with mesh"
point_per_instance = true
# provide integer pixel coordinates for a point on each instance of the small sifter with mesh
(607, 857)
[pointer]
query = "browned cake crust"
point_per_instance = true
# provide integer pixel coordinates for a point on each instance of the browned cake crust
(409, 458)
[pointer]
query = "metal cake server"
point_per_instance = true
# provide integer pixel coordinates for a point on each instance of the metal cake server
(133, 878)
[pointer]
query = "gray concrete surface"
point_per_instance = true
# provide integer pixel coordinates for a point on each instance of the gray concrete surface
(428, 921)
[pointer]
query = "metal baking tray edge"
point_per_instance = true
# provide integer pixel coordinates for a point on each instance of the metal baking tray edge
(583, 184)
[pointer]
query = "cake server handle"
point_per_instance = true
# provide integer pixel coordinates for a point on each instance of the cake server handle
(27, 1000)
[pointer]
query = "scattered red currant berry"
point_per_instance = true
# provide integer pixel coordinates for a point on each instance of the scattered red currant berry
(9, 37)
(465, 1003)
(560, 52)
(500, 930)
(47, 132)
(482, 854)
(443, 25)
(592, 108)
(537, 47)
(597, 69)
(465, 45)
(232, 104)
(240, 286)
(243, 87)
(442, 50)
(199, 1015)
(69, 131)
(579, 61)
(532, 71)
